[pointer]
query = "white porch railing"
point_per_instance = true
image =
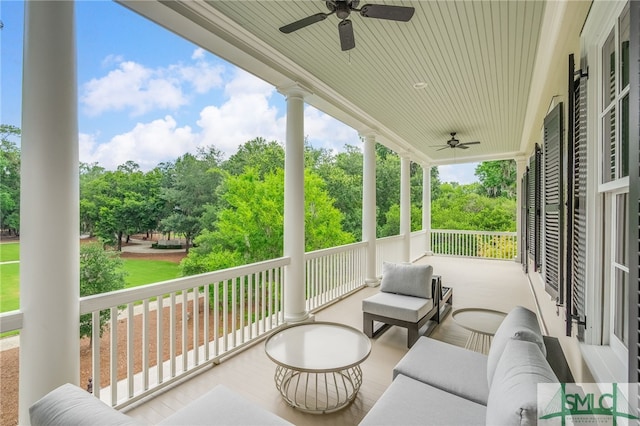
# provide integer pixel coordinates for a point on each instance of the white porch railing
(206, 316)
(488, 245)
(189, 323)
(333, 273)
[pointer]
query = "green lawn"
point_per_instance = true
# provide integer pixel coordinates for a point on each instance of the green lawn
(140, 272)
(9, 287)
(9, 252)
(143, 272)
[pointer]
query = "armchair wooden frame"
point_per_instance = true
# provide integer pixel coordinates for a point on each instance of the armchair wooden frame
(413, 328)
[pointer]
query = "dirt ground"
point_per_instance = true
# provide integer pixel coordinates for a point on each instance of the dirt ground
(9, 359)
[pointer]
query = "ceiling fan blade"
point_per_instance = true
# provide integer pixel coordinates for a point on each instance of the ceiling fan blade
(294, 26)
(461, 146)
(383, 11)
(347, 39)
(470, 143)
(444, 147)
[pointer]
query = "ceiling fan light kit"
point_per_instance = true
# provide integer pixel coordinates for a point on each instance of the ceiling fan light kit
(342, 9)
(455, 143)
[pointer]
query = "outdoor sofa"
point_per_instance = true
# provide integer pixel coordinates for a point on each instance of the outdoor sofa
(437, 383)
(70, 405)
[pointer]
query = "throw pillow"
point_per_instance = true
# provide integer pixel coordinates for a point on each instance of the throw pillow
(409, 280)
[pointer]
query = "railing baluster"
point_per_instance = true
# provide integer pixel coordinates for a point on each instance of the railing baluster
(216, 319)
(130, 339)
(206, 322)
(263, 288)
(225, 315)
(185, 331)
(234, 310)
(159, 339)
(145, 344)
(95, 348)
(195, 317)
(114, 356)
(172, 334)
(234, 306)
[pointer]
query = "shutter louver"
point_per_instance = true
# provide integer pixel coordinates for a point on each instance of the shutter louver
(553, 202)
(576, 204)
(533, 208)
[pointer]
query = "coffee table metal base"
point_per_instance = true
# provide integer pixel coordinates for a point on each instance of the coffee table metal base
(318, 393)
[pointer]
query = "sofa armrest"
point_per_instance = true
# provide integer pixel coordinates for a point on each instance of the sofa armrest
(69, 405)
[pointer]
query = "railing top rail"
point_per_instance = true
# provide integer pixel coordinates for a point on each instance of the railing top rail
(120, 297)
(339, 249)
(10, 321)
(457, 231)
(390, 238)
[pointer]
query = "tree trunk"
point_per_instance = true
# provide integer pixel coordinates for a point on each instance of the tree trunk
(119, 248)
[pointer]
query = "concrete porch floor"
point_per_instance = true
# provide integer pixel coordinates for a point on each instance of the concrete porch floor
(498, 285)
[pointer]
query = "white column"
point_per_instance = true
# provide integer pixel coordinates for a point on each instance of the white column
(49, 220)
(294, 273)
(426, 206)
(369, 208)
(405, 207)
(521, 167)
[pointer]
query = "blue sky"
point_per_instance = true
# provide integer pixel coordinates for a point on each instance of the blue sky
(149, 96)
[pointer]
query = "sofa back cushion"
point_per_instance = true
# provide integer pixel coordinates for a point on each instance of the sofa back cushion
(520, 324)
(69, 405)
(409, 280)
(513, 398)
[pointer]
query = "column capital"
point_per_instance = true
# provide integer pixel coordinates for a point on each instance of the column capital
(368, 133)
(426, 165)
(295, 90)
(520, 158)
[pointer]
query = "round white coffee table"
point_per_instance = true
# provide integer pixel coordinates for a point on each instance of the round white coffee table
(318, 364)
(483, 324)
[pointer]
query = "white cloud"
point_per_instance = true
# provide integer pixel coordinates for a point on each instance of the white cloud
(199, 53)
(134, 87)
(248, 111)
(146, 144)
(245, 115)
(461, 173)
(326, 132)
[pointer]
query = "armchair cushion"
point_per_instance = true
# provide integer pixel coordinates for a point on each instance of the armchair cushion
(519, 324)
(398, 306)
(513, 397)
(408, 280)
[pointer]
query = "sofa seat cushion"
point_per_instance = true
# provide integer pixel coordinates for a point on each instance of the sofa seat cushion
(223, 407)
(513, 398)
(69, 405)
(404, 308)
(410, 402)
(409, 280)
(447, 367)
(521, 324)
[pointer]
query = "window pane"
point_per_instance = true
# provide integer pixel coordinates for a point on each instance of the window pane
(622, 225)
(608, 71)
(624, 137)
(620, 326)
(609, 146)
(624, 48)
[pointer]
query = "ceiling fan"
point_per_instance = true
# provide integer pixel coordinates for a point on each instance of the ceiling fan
(342, 9)
(455, 143)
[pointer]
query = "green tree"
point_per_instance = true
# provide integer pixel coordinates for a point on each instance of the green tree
(100, 272)
(10, 179)
(497, 178)
(192, 187)
(122, 202)
(250, 226)
(265, 157)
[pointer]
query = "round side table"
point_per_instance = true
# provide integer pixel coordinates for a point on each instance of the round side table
(318, 365)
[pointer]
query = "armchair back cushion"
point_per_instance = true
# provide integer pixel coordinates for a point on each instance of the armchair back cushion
(409, 280)
(513, 396)
(519, 324)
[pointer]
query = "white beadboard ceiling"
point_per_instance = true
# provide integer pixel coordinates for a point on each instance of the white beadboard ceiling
(476, 57)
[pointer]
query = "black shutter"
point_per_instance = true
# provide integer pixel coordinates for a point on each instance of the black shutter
(524, 240)
(553, 203)
(533, 208)
(576, 201)
(634, 202)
